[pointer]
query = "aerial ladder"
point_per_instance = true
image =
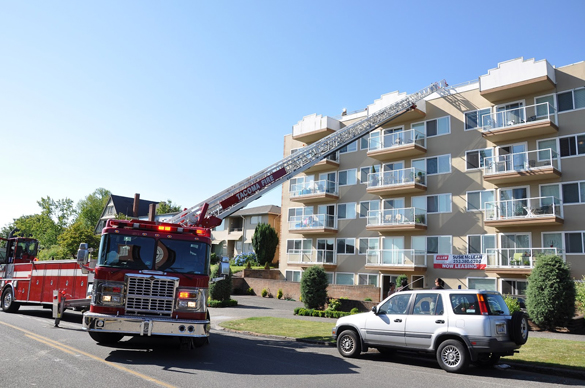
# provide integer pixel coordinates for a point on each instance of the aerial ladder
(212, 211)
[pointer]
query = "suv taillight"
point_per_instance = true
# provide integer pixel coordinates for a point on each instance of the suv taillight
(482, 305)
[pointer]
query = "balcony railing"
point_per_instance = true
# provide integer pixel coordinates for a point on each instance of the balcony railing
(397, 178)
(521, 161)
(313, 188)
(516, 257)
(397, 139)
(396, 217)
(518, 116)
(313, 256)
(526, 208)
(396, 258)
(313, 221)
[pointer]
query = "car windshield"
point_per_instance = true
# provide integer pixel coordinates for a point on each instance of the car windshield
(140, 253)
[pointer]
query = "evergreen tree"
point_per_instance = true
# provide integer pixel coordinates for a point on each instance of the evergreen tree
(264, 241)
(314, 287)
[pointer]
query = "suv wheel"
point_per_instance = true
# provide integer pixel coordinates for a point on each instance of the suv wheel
(348, 344)
(452, 356)
(519, 328)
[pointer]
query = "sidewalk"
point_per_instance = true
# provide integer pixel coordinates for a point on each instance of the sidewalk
(255, 306)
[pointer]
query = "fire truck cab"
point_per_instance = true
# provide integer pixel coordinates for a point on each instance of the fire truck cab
(151, 279)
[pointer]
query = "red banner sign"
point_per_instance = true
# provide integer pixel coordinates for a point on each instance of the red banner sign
(252, 189)
(477, 261)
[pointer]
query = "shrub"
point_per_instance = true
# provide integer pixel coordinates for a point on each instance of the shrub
(264, 292)
(251, 291)
(222, 303)
(279, 293)
(512, 303)
(243, 259)
(368, 300)
(314, 287)
(580, 295)
(264, 241)
(550, 296)
(215, 259)
(354, 311)
(222, 289)
(334, 305)
(399, 280)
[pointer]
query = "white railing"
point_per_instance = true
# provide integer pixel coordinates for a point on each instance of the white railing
(313, 188)
(316, 256)
(523, 208)
(396, 257)
(397, 177)
(516, 257)
(518, 116)
(403, 216)
(521, 161)
(397, 139)
(313, 221)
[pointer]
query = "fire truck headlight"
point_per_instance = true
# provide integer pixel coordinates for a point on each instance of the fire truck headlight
(109, 293)
(188, 299)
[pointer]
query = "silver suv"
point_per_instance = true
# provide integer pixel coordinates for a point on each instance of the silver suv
(459, 326)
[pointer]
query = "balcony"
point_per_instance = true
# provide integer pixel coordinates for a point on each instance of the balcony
(317, 224)
(331, 162)
(314, 127)
(397, 145)
(398, 259)
(397, 220)
(314, 191)
(520, 123)
(526, 212)
(408, 180)
(538, 165)
(515, 260)
(307, 258)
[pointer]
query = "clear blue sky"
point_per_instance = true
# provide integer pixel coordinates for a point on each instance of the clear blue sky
(180, 99)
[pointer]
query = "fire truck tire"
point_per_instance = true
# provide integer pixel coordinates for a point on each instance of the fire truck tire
(8, 303)
(105, 338)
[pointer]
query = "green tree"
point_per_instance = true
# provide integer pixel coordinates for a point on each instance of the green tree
(550, 296)
(60, 211)
(314, 287)
(39, 226)
(71, 237)
(165, 207)
(264, 242)
(220, 290)
(89, 209)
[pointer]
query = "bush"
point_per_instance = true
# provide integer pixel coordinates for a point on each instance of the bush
(334, 305)
(550, 296)
(264, 292)
(399, 280)
(354, 311)
(222, 303)
(251, 291)
(512, 303)
(222, 289)
(264, 241)
(314, 287)
(320, 313)
(368, 300)
(580, 295)
(279, 293)
(215, 259)
(243, 259)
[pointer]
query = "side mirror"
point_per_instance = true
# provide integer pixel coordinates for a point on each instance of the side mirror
(224, 270)
(83, 256)
(375, 310)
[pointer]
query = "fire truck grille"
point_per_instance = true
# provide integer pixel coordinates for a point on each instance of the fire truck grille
(150, 296)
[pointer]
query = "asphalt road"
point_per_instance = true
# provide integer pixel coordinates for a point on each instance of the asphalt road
(36, 354)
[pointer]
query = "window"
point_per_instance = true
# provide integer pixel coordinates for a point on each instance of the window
(296, 213)
(365, 142)
(573, 99)
(417, 281)
(364, 171)
(476, 200)
(346, 211)
(433, 245)
(440, 203)
(351, 147)
(330, 277)
(475, 119)
(367, 206)
(368, 243)
(544, 145)
(348, 177)
(344, 278)
(488, 284)
(326, 250)
(346, 246)
(368, 279)
(293, 276)
(572, 192)
(574, 242)
(299, 246)
(255, 220)
(544, 106)
(435, 165)
(572, 145)
(480, 243)
(440, 126)
(476, 159)
(514, 287)
(299, 183)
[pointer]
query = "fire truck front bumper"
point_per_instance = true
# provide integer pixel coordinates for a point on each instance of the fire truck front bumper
(145, 326)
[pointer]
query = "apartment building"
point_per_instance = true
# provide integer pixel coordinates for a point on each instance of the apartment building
(492, 169)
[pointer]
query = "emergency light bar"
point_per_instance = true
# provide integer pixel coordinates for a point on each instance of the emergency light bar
(156, 227)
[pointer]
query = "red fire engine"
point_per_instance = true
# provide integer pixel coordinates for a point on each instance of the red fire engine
(151, 278)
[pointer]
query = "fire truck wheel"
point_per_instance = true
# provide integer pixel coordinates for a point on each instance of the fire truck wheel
(8, 303)
(105, 338)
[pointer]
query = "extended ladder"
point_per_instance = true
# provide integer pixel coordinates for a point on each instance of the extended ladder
(211, 211)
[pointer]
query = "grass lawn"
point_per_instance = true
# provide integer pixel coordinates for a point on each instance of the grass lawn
(548, 352)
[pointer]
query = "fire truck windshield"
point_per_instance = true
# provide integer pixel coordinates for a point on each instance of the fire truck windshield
(139, 253)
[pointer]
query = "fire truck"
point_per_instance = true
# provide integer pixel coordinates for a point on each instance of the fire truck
(151, 278)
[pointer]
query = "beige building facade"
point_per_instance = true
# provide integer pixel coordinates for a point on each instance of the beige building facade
(491, 168)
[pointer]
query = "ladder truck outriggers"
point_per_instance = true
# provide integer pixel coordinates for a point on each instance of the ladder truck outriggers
(151, 278)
